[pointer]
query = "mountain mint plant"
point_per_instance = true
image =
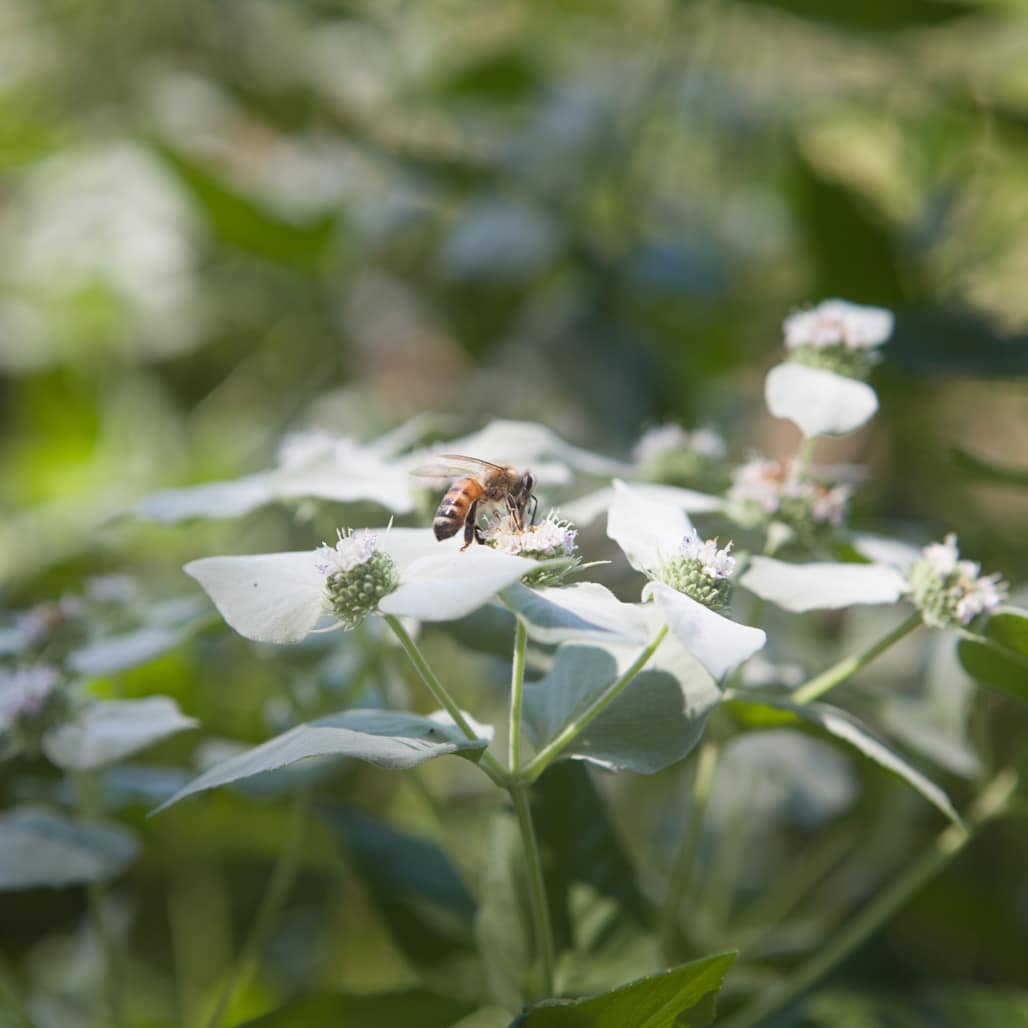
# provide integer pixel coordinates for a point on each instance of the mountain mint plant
(633, 663)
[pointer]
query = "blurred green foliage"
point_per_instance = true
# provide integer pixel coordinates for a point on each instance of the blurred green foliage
(221, 221)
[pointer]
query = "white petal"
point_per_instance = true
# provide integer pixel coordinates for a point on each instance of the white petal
(821, 586)
(229, 499)
(588, 508)
(717, 642)
(881, 550)
(270, 597)
(648, 531)
(583, 612)
(452, 583)
(820, 402)
(405, 545)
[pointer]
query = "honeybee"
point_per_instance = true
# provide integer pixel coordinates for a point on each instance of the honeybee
(477, 484)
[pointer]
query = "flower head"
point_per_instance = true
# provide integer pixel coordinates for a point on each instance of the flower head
(951, 591)
(700, 570)
(763, 490)
(552, 539)
(30, 703)
(670, 453)
(357, 575)
(838, 336)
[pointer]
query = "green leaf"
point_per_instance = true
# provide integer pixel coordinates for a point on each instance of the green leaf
(656, 720)
(39, 847)
(684, 997)
(413, 884)
(242, 222)
(387, 739)
(998, 657)
(894, 16)
(987, 470)
(848, 729)
(384, 1010)
(109, 730)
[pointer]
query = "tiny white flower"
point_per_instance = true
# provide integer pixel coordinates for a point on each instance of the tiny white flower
(688, 578)
(838, 322)
(950, 591)
(552, 537)
(281, 597)
(770, 488)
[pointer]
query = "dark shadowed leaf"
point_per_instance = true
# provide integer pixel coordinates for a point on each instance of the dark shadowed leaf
(414, 1007)
(39, 847)
(684, 997)
(893, 16)
(988, 471)
(415, 888)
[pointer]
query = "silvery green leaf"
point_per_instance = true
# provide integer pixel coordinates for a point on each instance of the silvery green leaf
(848, 729)
(583, 612)
(41, 848)
(820, 402)
(108, 730)
(450, 583)
(269, 597)
(588, 508)
(655, 721)
(821, 585)
(387, 739)
(717, 642)
(116, 653)
(648, 531)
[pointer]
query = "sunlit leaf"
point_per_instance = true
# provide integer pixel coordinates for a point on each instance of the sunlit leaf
(684, 997)
(998, 656)
(387, 739)
(39, 847)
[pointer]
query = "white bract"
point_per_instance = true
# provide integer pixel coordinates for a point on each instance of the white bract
(281, 597)
(821, 585)
(819, 401)
(660, 541)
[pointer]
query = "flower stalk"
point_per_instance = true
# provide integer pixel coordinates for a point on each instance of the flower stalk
(549, 753)
(817, 686)
(517, 688)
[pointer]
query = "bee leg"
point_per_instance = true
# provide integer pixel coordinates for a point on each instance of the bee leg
(471, 529)
(534, 501)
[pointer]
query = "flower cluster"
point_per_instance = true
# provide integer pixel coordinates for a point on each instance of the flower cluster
(951, 591)
(357, 575)
(838, 336)
(700, 570)
(763, 490)
(551, 539)
(30, 703)
(669, 453)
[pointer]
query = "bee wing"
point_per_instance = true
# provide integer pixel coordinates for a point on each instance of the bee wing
(455, 465)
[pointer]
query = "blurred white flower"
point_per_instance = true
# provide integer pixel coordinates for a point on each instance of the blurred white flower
(665, 440)
(838, 322)
(951, 591)
(771, 488)
(24, 692)
(818, 399)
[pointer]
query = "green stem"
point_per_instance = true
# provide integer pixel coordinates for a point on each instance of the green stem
(539, 763)
(488, 763)
(88, 801)
(849, 666)
(283, 874)
(992, 802)
(703, 780)
(542, 926)
(803, 456)
(517, 685)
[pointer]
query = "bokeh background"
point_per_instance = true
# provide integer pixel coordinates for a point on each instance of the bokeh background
(220, 222)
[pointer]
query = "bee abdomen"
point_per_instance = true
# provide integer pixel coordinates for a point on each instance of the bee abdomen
(452, 511)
